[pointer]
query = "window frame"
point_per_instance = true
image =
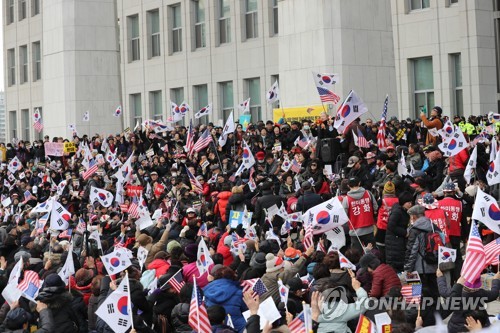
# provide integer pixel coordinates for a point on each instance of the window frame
(134, 42)
(13, 124)
(154, 38)
(200, 38)
(10, 12)
(176, 30)
(226, 109)
(422, 2)
(25, 124)
(11, 65)
(457, 88)
(153, 105)
(23, 64)
(255, 108)
(427, 92)
(173, 95)
(224, 23)
(133, 103)
(22, 10)
(275, 18)
(37, 62)
(251, 16)
(35, 7)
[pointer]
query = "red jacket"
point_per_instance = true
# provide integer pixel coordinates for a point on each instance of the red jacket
(206, 191)
(383, 279)
(160, 265)
(220, 206)
(458, 162)
(226, 254)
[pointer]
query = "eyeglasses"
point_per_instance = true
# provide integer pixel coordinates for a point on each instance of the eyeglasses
(314, 165)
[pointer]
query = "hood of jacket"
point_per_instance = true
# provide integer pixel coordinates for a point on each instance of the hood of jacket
(54, 298)
(157, 263)
(423, 223)
(221, 290)
(224, 195)
(357, 193)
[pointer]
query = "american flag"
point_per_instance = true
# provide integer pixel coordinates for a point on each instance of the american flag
(295, 166)
(492, 251)
(81, 227)
(203, 230)
(298, 324)
(93, 166)
(175, 212)
(256, 285)
(308, 235)
(176, 281)
(124, 208)
(133, 209)
(475, 256)
(198, 317)
(362, 142)
(66, 234)
(327, 96)
(381, 142)
(30, 284)
(37, 121)
(203, 141)
(190, 138)
(119, 242)
(195, 184)
(320, 247)
(237, 241)
(412, 293)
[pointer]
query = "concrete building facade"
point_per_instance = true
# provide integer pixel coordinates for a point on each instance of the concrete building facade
(445, 54)
(69, 56)
(2, 117)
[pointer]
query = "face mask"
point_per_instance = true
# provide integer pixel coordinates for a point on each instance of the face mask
(183, 161)
(306, 128)
(174, 174)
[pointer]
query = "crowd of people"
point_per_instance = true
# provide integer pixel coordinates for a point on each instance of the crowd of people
(391, 215)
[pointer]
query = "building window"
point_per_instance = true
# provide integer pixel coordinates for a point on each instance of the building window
(497, 48)
(22, 9)
(423, 84)
(23, 62)
(13, 124)
(10, 11)
(226, 98)
(453, 2)
(136, 108)
(199, 23)
(37, 61)
(134, 39)
(253, 88)
(200, 96)
(25, 121)
(175, 12)
(419, 4)
(11, 60)
(456, 70)
(154, 33)
(275, 17)
(35, 7)
(177, 95)
(224, 22)
(155, 105)
(251, 30)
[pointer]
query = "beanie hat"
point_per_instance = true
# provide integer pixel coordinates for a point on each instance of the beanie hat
(25, 255)
(295, 284)
(171, 245)
(404, 198)
(16, 318)
(191, 251)
(228, 240)
(389, 188)
(258, 260)
(369, 261)
(273, 263)
(53, 280)
(84, 277)
(416, 210)
(143, 239)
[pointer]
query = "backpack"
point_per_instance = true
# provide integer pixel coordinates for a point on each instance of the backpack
(433, 241)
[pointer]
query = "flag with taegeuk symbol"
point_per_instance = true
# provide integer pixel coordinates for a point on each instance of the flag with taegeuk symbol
(116, 310)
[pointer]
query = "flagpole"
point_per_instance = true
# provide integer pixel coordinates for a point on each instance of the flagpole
(129, 301)
(357, 236)
(197, 312)
(217, 153)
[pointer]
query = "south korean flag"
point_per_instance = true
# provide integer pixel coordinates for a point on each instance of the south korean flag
(116, 310)
(105, 198)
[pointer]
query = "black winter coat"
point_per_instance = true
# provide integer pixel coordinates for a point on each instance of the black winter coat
(180, 315)
(267, 200)
(308, 200)
(395, 237)
(59, 302)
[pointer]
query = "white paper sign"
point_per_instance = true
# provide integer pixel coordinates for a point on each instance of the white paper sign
(267, 312)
